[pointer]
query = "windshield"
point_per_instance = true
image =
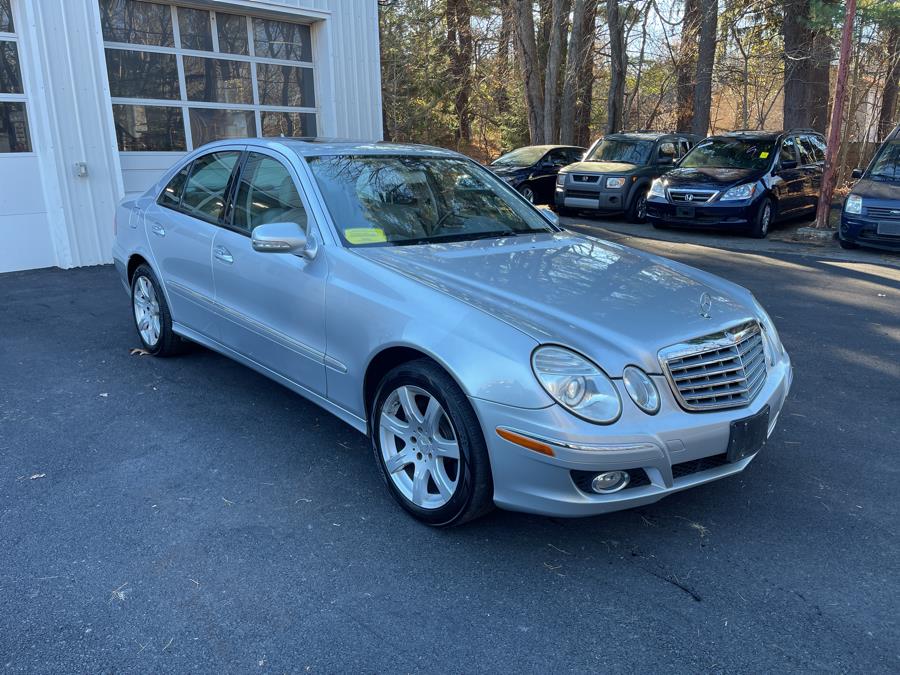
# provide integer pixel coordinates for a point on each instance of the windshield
(620, 150)
(380, 200)
(730, 153)
(521, 157)
(887, 164)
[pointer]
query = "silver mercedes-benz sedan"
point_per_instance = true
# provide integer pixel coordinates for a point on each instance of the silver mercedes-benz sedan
(491, 356)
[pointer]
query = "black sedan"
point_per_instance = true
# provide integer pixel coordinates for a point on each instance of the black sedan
(532, 170)
(742, 181)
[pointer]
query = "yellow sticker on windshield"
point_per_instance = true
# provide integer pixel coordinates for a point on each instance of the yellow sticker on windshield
(365, 235)
(763, 155)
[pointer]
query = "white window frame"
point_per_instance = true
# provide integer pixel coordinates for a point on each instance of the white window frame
(185, 104)
(23, 97)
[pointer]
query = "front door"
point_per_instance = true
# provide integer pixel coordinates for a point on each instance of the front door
(790, 181)
(181, 225)
(271, 306)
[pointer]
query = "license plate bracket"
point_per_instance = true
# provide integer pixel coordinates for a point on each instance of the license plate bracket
(889, 229)
(686, 212)
(748, 435)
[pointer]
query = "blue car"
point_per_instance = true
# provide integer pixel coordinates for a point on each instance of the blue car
(871, 214)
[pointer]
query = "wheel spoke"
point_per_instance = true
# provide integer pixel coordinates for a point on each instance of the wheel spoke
(420, 484)
(441, 480)
(395, 426)
(445, 448)
(408, 402)
(397, 462)
(433, 414)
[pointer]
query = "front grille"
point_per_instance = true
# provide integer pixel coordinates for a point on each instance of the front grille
(584, 178)
(723, 370)
(695, 196)
(581, 194)
(883, 213)
(582, 479)
(693, 466)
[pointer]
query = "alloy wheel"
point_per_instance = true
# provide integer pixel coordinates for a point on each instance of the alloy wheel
(419, 447)
(641, 211)
(146, 310)
(766, 218)
(528, 193)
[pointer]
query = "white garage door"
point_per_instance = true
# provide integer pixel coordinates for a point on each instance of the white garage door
(180, 77)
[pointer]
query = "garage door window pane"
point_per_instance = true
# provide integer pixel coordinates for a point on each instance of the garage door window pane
(137, 22)
(6, 21)
(134, 74)
(204, 194)
(217, 80)
(13, 128)
(10, 76)
(282, 40)
(288, 124)
(211, 125)
(149, 128)
(285, 85)
(194, 28)
(232, 31)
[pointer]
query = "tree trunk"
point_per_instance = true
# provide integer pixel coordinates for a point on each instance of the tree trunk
(573, 63)
(459, 40)
(819, 75)
(500, 95)
(558, 28)
(887, 114)
(686, 66)
(616, 102)
(584, 83)
(706, 57)
(807, 68)
(526, 48)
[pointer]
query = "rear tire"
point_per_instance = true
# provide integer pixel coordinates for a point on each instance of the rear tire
(429, 445)
(151, 315)
(763, 220)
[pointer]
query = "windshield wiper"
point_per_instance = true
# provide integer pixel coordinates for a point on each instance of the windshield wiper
(457, 236)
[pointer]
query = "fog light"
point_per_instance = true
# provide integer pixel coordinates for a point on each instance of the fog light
(609, 481)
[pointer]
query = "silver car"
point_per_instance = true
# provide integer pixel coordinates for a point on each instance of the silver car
(491, 357)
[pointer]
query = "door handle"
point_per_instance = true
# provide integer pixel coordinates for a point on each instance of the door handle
(223, 254)
(158, 229)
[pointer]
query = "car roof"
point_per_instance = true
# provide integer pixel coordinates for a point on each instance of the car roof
(314, 147)
(764, 135)
(649, 135)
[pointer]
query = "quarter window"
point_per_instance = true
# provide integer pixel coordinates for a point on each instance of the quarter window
(788, 151)
(267, 194)
(807, 154)
(204, 192)
(14, 134)
(171, 194)
(215, 74)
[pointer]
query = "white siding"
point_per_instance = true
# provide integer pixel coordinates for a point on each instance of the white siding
(48, 215)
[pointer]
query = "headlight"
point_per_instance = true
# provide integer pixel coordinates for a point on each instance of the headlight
(853, 204)
(739, 192)
(615, 182)
(561, 179)
(771, 339)
(577, 384)
(641, 389)
(657, 189)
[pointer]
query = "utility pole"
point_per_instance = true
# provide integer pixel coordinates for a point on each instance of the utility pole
(837, 113)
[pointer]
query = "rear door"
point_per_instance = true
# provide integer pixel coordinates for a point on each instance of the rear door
(812, 173)
(181, 226)
(817, 170)
(271, 305)
(790, 184)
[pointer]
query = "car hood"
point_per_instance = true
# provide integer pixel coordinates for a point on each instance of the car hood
(617, 168)
(713, 178)
(612, 303)
(876, 189)
(508, 170)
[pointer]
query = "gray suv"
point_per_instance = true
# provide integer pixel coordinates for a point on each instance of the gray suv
(617, 171)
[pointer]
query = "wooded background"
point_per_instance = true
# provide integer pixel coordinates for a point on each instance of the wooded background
(486, 76)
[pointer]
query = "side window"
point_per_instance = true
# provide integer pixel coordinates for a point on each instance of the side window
(204, 194)
(818, 144)
(667, 150)
(683, 145)
(557, 157)
(807, 155)
(788, 151)
(574, 155)
(171, 194)
(267, 194)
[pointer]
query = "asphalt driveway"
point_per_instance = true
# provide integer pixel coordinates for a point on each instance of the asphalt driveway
(188, 514)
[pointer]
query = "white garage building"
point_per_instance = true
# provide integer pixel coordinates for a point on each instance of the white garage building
(99, 97)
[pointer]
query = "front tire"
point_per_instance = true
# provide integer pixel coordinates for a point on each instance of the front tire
(429, 445)
(151, 315)
(847, 245)
(528, 193)
(763, 221)
(637, 211)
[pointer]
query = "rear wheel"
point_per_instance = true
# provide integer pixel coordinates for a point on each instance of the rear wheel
(760, 229)
(429, 445)
(151, 315)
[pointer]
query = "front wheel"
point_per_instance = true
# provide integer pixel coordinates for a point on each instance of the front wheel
(528, 193)
(760, 229)
(429, 445)
(847, 245)
(637, 212)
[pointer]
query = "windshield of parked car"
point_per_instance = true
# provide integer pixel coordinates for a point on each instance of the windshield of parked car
(378, 200)
(521, 157)
(621, 150)
(730, 153)
(887, 164)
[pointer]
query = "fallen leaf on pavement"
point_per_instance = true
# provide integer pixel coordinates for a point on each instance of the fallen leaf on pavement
(137, 351)
(37, 475)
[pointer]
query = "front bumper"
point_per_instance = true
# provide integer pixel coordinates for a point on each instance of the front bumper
(592, 197)
(675, 450)
(732, 214)
(864, 231)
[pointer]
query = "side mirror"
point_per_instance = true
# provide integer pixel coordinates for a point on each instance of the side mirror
(788, 164)
(857, 173)
(549, 214)
(284, 238)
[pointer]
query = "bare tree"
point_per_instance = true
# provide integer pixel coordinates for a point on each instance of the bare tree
(526, 48)
(887, 114)
(558, 28)
(459, 42)
(615, 105)
(706, 57)
(686, 65)
(570, 80)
